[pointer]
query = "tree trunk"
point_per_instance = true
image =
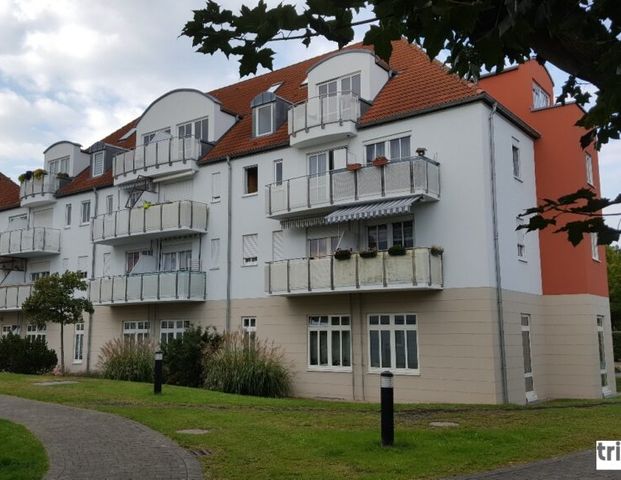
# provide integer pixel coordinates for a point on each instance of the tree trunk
(62, 348)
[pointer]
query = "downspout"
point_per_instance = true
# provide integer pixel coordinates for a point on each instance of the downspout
(499, 303)
(89, 337)
(229, 208)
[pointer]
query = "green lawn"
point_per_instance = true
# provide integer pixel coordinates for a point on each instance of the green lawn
(263, 438)
(22, 457)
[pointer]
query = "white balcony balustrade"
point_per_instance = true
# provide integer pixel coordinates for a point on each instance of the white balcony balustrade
(153, 221)
(37, 192)
(167, 156)
(317, 193)
(13, 296)
(30, 242)
(156, 287)
(418, 269)
(324, 118)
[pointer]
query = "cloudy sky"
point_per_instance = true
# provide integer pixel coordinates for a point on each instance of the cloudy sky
(79, 69)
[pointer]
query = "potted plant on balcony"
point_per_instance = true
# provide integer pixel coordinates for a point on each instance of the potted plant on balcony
(352, 167)
(436, 251)
(342, 254)
(380, 161)
(146, 204)
(24, 177)
(62, 176)
(39, 173)
(396, 250)
(370, 253)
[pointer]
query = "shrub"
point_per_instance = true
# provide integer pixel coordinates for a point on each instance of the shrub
(26, 355)
(247, 368)
(396, 250)
(616, 342)
(368, 253)
(342, 254)
(123, 360)
(183, 357)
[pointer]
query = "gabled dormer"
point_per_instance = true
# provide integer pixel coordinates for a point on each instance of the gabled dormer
(101, 156)
(269, 112)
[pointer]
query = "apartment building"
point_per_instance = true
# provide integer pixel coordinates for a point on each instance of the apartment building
(360, 214)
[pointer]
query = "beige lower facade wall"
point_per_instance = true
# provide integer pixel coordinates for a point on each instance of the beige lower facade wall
(458, 341)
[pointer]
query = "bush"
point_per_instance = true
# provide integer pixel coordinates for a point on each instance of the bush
(616, 343)
(396, 250)
(247, 368)
(183, 357)
(26, 355)
(123, 360)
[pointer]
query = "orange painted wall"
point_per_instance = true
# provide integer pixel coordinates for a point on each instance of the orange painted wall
(560, 169)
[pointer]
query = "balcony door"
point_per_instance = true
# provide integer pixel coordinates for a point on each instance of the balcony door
(319, 165)
(329, 101)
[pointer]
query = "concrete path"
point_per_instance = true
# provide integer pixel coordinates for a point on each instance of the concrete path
(578, 466)
(84, 444)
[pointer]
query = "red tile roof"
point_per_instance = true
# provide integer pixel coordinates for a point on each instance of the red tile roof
(9, 193)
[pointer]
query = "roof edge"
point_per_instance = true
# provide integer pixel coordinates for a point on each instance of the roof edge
(178, 90)
(59, 142)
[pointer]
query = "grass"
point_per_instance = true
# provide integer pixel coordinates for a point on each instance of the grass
(22, 457)
(264, 438)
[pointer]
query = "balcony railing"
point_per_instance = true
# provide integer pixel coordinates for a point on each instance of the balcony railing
(323, 110)
(156, 287)
(417, 269)
(396, 179)
(170, 153)
(161, 219)
(30, 242)
(35, 187)
(13, 296)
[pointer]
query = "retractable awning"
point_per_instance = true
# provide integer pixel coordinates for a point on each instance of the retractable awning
(302, 222)
(372, 210)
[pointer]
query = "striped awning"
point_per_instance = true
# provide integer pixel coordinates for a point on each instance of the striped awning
(372, 210)
(302, 222)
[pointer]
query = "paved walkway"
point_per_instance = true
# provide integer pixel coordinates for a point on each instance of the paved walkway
(84, 444)
(579, 466)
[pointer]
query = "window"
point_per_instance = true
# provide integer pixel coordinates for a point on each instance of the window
(395, 149)
(249, 329)
(83, 266)
(403, 234)
(274, 87)
(400, 148)
(132, 258)
(98, 164)
(347, 84)
(278, 172)
(215, 187)
(10, 329)
(148, 137)
(264, 119)
(250, 249)
(201, 129)
(278, 245)
(214, 252)
(136, 331)
(85, 213)
(67, 215)
(171, 329)
(375, 150)
(133, 197)
(520, 234)
(515, 152)
(59, 165)
(34, 276)
(78, 343)
(322, 247)
(109, 204)
(603, 367)
(329, 342)
(377, 237)
(393, 342)
(588, 160)
(594, 247)
(540, 98)
(15, 219)
(185, 130)
(35, 332)
(251, 179)
(173, 261)
(529, 385)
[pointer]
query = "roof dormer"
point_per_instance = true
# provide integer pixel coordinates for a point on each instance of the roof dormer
(269, 112)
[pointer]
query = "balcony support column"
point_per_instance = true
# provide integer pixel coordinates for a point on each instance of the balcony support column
(414, 281)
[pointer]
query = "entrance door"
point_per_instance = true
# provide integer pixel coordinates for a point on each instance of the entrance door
(529, 384)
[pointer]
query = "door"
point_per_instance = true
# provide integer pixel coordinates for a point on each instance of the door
(318, 167)
(529, 384)
(328, 94)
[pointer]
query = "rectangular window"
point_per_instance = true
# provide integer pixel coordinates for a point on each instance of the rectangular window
(603, 366)
(329, 341)
(132, 257)
(322, 247)
(21, 219)
(249, 329)
(594, 247)
(400, 148)
(529, 385)
(34, 276)
(109, 204)
(520, 239)
(148, 138)
(588, 160)
(251, 179)
(67, 215)
(403, 234)
(278, 172)
(78, 343)
(59, 165)
(10, 329)
(540, 98)
(201, 129)
(250, 249)
(375, 150)
(278, 245)
(66, 263)
(36, 332)
(214, 253)
(264, 119)
(515, 151)
(393, 342)
(85, 212)
(377, 237)
(83, 266)
(347, 84)
(171, 329)
(215, 187)
(98, 164)
(185, 130)
(136, 332)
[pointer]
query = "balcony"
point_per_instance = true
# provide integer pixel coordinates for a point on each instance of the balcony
(156, 287)
(30, 242)
(12, 297)
(160, 220)
(418, 269)
(37, 192)
(325, 118)
(415, 176)
(169, 156)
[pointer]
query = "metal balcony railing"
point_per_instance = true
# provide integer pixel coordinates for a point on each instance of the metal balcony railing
(155, 287)
(322, 110)
(13, 296)
(160, 217)
(36, 241)
(47, 184)
(398, 178)
(417, 269)
(169, 151)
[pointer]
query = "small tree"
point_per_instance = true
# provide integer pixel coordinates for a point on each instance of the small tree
(52, 300)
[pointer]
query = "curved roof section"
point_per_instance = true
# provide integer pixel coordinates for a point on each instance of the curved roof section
(60, 142)
(338, 53)
(178, 90)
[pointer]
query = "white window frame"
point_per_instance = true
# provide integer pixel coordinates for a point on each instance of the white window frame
(278, 241)
(250, 260)
(603, 362)
(34, 276)
(59, 165)
(21, 217)
(172, 329)
(329, 323)
(391, 327)
(321, 246)
(588, 160)
(520, 241)
(249, 329)
(540, 94)
(216, 190)
(516, 161)
(246, 169)
(136, 330)
(34, 331)
(99, 163)
(109, 204)
(6, 329)
(214, 254)
(148, 137)
(78, 343)
(85, 208)
(68, 214)
(525, 320)
(594, 246)
(257, 117)
(139, 254)
(278, 172)
(178, 260)
(339, 84)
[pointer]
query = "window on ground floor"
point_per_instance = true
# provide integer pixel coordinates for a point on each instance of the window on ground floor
(35, 331)
(329, 341)
(249, 329)
(393, 342)
(171, 329)
(529, 385)
(6, 329)
(603, 367)
(78, 342)
(136, 331)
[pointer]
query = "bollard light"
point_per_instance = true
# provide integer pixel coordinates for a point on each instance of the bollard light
(388, 408)
(157, 373)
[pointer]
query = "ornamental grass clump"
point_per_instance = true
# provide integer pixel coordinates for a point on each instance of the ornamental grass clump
(247, 366)
(127, 360)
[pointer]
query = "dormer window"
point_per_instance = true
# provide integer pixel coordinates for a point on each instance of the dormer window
(540, 98)
(98, 163)
(347, 84)
(274, 87)
(264, 120)
(59, 165)
(148, 137)
(269, 112)
(198, 129)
